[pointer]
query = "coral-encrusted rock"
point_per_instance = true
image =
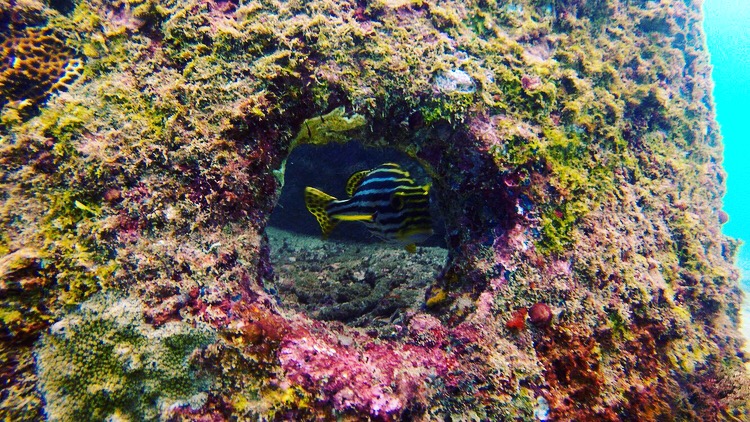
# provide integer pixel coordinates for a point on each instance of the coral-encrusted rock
(379, 380)
(540, 314)
(573, 155)
(104, 361)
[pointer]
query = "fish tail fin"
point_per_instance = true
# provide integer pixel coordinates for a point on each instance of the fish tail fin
(316, 202)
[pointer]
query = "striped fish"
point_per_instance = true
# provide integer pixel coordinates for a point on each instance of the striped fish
(392, 206)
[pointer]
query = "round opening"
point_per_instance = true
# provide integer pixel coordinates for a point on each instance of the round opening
(353, 275)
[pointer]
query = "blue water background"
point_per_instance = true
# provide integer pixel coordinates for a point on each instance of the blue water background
(727, 27)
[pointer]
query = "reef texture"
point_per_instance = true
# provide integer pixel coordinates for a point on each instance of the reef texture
(373, 285)
(104, 360)
(572, 147)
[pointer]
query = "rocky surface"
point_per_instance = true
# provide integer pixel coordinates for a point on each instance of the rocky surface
(374, 286)
(574, 157)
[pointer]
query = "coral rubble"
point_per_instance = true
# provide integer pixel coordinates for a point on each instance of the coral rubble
(374, 286)
(574, 156)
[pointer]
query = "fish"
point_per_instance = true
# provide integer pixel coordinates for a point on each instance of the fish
(392, 206)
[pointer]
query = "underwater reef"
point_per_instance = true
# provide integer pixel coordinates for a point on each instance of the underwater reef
(572, 149)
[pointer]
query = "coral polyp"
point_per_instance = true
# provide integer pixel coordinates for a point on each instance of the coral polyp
(572, 153)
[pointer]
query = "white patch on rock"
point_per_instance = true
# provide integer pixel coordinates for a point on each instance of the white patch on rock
(456, 81)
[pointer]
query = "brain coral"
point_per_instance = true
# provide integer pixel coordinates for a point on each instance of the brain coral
(33, 63)
(103, 360)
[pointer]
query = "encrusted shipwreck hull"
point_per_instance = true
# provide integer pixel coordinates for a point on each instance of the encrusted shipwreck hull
(571, 144)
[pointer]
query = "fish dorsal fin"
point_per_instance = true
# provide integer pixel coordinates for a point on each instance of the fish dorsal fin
(354, 181)
(390, 165)
(316, 202)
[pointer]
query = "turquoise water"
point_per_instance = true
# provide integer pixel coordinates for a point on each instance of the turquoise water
(727, 26)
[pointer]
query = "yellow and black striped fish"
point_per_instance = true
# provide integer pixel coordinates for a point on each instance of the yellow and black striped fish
(392, 206)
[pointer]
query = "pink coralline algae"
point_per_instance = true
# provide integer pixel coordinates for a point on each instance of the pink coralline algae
(426, 330)
(381, 380)
(540, 314)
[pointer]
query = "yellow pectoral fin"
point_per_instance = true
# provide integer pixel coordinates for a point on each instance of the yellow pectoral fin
(366, 217)
(411, 248)
(400, 199)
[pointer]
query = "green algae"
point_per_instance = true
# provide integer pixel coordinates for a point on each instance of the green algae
(332, 127)
(452, 108)
(103, 361)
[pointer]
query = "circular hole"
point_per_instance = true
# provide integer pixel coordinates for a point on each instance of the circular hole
(352, 275)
